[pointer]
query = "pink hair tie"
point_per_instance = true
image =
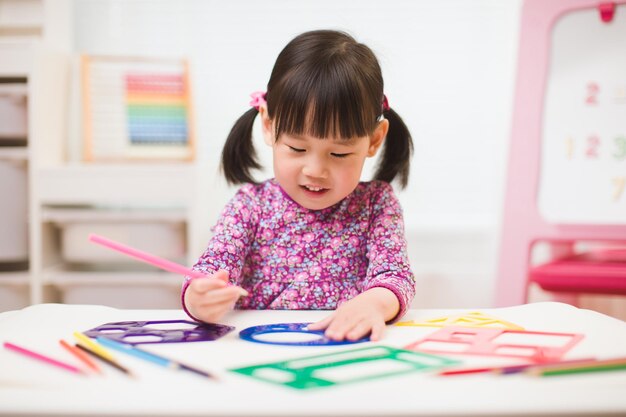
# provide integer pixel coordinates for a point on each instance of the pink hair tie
(385, 103)
(258, 99)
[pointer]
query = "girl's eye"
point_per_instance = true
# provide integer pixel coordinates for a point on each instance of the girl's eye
(295, 149)
(340, 155)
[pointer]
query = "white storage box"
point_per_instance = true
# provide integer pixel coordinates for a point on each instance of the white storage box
(166, 240)
(13, 114)
(14, 292)
(13, 209)
(159, 232)
(128, 297)
(121, 290)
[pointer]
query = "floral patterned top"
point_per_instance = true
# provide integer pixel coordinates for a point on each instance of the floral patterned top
(290, 257)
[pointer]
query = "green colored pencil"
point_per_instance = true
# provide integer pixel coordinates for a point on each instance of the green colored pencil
(587, 367)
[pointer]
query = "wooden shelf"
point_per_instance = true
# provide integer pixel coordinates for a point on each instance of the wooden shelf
(68, 277)
(112, 214)
(21, 14)
(121, 184)
(14, 153)
(14, 278)
(17, 57)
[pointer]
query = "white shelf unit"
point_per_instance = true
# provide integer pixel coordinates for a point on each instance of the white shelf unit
(20, 29)
(36, 44)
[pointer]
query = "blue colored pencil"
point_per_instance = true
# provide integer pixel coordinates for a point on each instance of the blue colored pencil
(150, 357)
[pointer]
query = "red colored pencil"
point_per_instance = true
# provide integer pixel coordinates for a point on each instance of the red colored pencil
(82, 356)
(465, 371)
(510, 369)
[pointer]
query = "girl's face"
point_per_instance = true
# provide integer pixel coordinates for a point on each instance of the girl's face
(318, 173)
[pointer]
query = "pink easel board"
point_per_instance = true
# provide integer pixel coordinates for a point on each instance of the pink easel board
(566, 179)
(583, 130)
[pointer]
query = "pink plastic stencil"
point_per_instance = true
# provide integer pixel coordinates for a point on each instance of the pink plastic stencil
(484, 341)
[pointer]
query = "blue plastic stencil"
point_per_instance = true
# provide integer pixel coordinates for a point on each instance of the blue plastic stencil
(344, 367)
(251, 335)
(142, 333)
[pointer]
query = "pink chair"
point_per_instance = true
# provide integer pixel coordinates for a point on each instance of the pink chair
(522, 225)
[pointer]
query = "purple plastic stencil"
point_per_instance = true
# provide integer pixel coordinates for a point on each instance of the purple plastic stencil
(190, 331)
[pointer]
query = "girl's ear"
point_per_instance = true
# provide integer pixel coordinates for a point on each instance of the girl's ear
(377, 138)
(266, 125)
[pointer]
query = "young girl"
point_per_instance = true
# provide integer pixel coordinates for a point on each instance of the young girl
(314, 237)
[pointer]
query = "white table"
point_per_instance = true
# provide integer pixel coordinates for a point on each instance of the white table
(29, 388)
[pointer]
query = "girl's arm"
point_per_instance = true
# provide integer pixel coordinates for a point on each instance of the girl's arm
(389, 266)
(207, 299)
(389, 285)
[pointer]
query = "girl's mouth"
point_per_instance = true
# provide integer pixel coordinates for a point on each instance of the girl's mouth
(313, 189)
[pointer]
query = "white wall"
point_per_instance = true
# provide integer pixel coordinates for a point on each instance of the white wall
(449, 70)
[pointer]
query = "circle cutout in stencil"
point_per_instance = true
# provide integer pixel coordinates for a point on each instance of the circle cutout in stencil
(265, 333)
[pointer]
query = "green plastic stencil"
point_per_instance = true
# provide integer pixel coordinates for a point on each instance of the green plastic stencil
(344, 367)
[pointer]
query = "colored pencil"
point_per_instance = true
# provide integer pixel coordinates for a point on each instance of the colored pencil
(514, 369)
(82, 356)
(150, 357)
(146, 257)
(510, 369)
(151, 259)
(465, 371)
(43, 358)
(87, 342)
(606, 365)
(105, 359)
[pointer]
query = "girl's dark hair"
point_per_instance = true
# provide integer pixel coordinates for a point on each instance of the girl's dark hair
(324, 84)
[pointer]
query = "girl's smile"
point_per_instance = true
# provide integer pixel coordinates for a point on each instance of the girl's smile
(314, 190)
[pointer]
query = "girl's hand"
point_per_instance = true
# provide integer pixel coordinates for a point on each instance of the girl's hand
(209, 298)
(364, 314)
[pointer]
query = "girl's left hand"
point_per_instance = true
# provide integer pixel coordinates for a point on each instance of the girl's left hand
(364, 314)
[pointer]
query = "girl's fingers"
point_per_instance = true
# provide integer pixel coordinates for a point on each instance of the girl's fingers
(322, 324)
(378, 331)
(203, 285)
(211, 306)
(221, 275)
(339, 327)
(228, 294)
(358, 331)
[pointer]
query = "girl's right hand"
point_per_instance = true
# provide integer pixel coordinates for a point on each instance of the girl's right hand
(209, 298)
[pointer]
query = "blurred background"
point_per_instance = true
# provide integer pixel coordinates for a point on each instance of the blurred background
(449, 68)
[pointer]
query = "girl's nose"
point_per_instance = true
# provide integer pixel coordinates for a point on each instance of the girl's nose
(315, 168)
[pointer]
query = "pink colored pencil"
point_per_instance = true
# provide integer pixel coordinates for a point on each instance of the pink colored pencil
(40, 357)
(146, 257)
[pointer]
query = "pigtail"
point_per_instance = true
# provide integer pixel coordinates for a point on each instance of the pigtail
(239, 156)
(397, 150)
